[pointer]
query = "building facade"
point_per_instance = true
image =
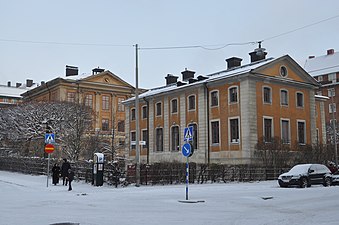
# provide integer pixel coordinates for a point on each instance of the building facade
(229, 110)
(102, 91)
(325, 69)
(11, 95)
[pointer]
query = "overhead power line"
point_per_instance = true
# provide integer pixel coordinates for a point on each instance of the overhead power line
(63, 43)
(300, 28)
(205, 47)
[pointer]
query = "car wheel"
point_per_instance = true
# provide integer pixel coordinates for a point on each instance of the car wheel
(327, 181)
(304, 182)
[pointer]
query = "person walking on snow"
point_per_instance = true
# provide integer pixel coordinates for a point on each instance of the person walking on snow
(64, 171)
(70, 178)
(55, 174)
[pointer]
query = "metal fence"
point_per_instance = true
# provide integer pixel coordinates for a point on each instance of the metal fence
(155, 174)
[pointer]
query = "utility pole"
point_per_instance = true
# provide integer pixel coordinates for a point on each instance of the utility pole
(334, 121)
(137, 147)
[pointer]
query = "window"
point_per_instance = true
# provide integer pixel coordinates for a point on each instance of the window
(320, 78)
(301, 132)
(144, 112)
(214, 98)
(132, 114)
(121, 126)
(145, 137)
(283, 71)
(300, 99)
(105, 102)
(215, 132)
(71, 96)
(331, 92)
(105, 124)
(175, 138)
(158, 109)
(268, 129)
(174, 105)
(332, 108)
(267, 95)
(191, 102)
(284, 97)
(121, 141)
(89, 101)
(285, 131)
(233, 94)
(332, 77)
(133, 139)
(195, 135)
(121, 107)
(234, 130)
(159, 140)
(5, 99)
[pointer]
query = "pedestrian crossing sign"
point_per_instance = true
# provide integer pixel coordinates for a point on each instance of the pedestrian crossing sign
(49, 138)
(188, 134)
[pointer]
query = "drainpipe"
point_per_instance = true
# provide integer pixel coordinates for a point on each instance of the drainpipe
(147, 140)
(208, 123)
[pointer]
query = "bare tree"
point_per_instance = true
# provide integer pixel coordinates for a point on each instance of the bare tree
(27, 124)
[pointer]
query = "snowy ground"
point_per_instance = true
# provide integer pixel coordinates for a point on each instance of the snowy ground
(25, 199)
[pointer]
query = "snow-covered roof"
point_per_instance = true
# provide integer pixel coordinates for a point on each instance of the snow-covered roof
(210, 77)
(13, 92)
(321, 65)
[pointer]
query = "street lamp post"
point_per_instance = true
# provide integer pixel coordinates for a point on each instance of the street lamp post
(334, 129)
(137, 147)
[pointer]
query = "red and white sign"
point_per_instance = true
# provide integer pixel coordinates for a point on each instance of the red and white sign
(49, 148)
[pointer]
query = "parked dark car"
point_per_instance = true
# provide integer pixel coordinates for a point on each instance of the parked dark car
(335, 178)
(304, 175)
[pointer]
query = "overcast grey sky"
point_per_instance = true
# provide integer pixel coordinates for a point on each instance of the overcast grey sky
(103, 33)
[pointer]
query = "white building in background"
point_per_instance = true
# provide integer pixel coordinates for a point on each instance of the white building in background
(11, 95)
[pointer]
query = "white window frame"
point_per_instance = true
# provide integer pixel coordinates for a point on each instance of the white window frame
(296, 99)
(217, 105)
(289, 130)
(172, 105)
(329, 92)
(330, 108)
(211, 137)
(263, 95)
(287, 97)
(156, 109)
(305, 138)
(229, 94)
(229, 130)
(177, 148)
(133, 109)
(188, 102)
(263, 126)
(142, 112)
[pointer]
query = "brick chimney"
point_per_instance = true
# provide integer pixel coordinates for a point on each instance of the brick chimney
(97, 70)
(8, 84)
(71, 71)
(233, 62)
(170, 79)
(311, 57)
(29, 83)
(187, 74)
(330, 51)
(17, 85)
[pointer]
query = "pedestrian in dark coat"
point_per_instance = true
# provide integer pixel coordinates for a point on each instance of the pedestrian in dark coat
(70, 178)
(55, 174)
(64, 171)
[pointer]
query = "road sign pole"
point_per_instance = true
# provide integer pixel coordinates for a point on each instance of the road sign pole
(49, 155)
(187, 177)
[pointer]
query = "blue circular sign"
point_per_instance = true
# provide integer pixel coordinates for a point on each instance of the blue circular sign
(186, 149)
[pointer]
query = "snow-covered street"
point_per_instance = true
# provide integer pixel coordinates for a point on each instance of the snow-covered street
(25, 199)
